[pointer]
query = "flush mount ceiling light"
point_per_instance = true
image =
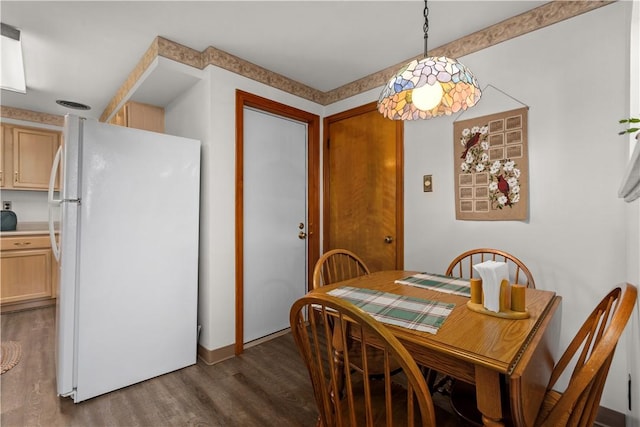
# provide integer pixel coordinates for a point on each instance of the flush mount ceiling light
(431, 87)
(11, 66)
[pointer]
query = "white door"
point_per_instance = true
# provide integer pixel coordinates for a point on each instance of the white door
(275, 184)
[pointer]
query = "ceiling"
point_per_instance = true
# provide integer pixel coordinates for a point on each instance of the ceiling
(84, 50)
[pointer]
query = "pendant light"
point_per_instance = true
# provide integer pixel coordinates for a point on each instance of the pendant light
(431, 87)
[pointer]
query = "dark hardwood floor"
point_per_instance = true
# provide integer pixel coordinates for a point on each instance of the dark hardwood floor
(266, 386)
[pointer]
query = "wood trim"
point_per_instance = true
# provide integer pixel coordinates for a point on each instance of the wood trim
(325, 179)
(366, 108)
(239, 231)
(245, 99)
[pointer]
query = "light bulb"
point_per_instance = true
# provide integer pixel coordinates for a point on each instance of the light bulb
(427, 97)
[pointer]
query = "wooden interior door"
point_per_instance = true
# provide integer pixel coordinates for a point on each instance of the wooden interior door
(363, 186)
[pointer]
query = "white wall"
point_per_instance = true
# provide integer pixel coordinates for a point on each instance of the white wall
(573, 79)
(632, 334)
(216, 129)
(29, 206)
(186, 116)
(572, 76)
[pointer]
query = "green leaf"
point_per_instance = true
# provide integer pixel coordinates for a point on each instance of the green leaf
(631, 129)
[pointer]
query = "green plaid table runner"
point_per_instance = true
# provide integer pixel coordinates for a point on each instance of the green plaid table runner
(438, 282)
(408, 312)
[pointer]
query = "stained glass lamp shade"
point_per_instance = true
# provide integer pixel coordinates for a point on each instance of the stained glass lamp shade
(431, 87)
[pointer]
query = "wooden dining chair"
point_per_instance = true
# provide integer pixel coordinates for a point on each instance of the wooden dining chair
(594, 346)
(337, 265)
(347, 397)
(590, 354)
(462, 265)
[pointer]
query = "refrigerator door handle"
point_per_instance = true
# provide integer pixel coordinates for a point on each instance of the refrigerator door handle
(53, 203)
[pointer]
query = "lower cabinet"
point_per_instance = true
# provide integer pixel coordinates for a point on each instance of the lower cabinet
(28, 272)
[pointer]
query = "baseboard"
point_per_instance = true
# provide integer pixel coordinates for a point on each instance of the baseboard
(609, 418)
(211, 357)
(26, 305)
(267, 338)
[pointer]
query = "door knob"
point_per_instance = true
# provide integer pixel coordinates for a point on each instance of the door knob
(388, 239)
(302, 235)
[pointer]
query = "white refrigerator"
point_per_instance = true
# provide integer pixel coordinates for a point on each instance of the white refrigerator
(128, 256)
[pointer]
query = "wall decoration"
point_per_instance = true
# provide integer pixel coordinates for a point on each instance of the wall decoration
(491, 167)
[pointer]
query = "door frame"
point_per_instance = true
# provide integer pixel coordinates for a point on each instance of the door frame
(245, 99)
(366, 108)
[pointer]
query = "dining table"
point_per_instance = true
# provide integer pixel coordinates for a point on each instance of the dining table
(509, 360)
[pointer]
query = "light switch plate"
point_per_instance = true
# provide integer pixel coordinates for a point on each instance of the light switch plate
(427, 184)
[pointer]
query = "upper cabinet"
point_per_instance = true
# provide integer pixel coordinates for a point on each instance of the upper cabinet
(27, 157)
(140, 116)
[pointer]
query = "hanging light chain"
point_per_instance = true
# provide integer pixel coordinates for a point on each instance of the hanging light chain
(431, 87)
(425, 27)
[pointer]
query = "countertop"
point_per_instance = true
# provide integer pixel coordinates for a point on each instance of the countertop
(30, 228)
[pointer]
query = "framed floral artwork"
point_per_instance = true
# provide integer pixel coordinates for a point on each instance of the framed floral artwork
(491, 167)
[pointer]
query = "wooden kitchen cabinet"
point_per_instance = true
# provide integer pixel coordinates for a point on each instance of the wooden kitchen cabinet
(140, 116)
(27, 157)
(28, 271)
